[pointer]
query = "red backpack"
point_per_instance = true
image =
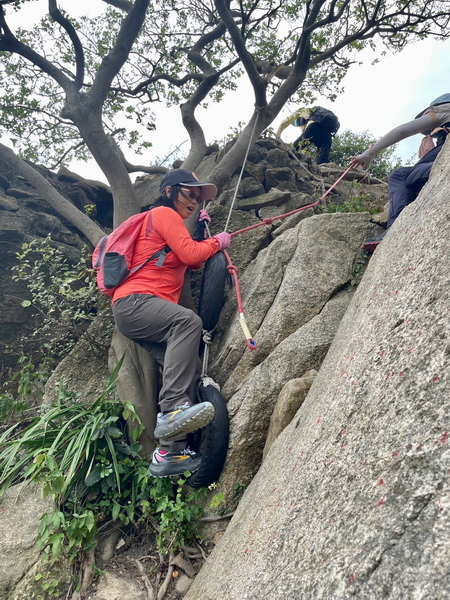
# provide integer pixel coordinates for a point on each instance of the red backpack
(113, 255)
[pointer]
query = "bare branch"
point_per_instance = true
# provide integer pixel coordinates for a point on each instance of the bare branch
(122, 4)
(117, 57)
(56, 15)
(9, 43)
(258, 83)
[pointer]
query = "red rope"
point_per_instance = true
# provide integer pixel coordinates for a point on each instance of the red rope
(233, 270)
(270, 220)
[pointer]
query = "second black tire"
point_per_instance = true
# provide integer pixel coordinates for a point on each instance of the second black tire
(211, 441)
(212, 290)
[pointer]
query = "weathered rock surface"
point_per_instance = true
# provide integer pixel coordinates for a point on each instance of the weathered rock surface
(285, 287)
(20, 511)
(289, 400)
(295, 274)
(353, 498)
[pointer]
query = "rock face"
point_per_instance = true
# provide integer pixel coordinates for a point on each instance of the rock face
(297, 278)
(353, 498)
(25, 216)
(21, 509)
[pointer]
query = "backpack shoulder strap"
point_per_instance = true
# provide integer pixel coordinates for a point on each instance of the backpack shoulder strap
(160, 254)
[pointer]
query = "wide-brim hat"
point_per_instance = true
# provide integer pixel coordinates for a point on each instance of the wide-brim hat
(440, 100)
(186, 178)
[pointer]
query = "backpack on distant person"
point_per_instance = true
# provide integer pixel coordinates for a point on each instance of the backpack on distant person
(433, 139)
(327, 119)
(113, 256)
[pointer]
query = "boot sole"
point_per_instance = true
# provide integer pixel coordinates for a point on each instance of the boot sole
(183, 427)
(170, 469)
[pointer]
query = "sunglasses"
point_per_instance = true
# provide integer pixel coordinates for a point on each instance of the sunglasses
(190, 195)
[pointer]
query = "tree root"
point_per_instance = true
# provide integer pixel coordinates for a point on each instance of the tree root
(182, 563)
(146, 580)
(212, 518)
(88, 573)
(163, 589)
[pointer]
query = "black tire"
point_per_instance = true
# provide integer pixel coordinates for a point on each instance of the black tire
(212, 289)
(211, 441)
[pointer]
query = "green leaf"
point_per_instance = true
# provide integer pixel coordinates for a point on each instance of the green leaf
(115, 511)
(93, 477)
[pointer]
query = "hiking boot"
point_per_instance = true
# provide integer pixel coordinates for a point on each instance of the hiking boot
(370, 245)
(165, 464)
(182, 420)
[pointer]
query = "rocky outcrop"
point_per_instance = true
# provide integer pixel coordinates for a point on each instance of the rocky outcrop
(289, 400)
(21, 509)
(297, 277)
(25, 216)
(353, 498)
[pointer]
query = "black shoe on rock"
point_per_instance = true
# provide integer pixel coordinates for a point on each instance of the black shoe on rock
(370, 245)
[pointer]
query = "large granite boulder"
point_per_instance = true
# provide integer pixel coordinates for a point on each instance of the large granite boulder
(353, 498)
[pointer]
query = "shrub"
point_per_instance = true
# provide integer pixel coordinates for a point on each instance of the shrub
(82, 458)
(349, 143)
(63, 294)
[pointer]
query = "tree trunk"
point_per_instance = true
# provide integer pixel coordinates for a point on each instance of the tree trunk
(103, 149)
(137, 383)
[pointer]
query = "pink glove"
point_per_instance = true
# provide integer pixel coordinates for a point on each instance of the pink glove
(224, 240)
(204, 216)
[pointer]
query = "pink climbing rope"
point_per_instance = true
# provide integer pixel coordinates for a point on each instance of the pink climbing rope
(233, 272)
(251, 344)
(270, 220)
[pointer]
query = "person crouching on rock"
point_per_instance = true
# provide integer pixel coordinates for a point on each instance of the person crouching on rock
(405, 183)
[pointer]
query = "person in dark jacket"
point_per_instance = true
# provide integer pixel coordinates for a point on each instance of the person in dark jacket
(319, 126)
(405, 183)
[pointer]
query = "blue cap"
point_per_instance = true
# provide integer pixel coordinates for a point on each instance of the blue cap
(440, 100)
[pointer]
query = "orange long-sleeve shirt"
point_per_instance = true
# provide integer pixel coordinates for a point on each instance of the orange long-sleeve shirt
(167, 229)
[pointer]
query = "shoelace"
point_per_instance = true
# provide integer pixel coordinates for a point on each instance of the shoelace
(187, 452)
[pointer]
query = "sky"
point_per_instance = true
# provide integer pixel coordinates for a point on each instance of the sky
(376, 98)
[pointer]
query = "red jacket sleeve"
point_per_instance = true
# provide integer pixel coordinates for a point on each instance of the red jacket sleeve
(174, 232)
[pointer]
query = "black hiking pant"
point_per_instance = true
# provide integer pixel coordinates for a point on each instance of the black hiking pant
(320, 137)
(405, 183)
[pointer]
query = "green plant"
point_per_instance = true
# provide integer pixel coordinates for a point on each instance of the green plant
(81, 456)
(358, 201)
(63, 294)
(20, 387)
(349, 143)
(175, 512)
(359, 267)
(10, 407)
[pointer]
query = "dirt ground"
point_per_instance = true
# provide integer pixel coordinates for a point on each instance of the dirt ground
(138, 561)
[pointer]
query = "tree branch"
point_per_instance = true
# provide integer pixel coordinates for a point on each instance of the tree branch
(67, 210)
(9, 43)
(258, 83)
(56, 15)
(114, 61)
(122, 4)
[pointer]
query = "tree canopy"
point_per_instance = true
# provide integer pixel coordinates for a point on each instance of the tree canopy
(68, 80)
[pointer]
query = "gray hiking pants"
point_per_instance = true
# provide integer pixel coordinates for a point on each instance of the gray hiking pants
(171, 333)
